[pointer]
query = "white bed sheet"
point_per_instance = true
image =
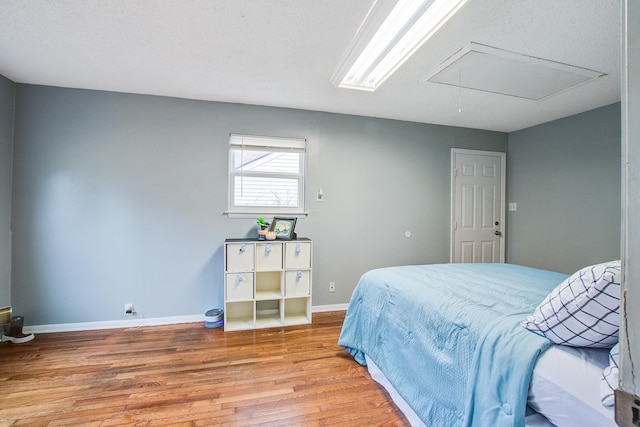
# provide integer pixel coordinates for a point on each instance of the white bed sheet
(565, 387)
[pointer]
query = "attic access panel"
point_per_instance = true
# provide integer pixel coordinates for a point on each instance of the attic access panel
(494, 70)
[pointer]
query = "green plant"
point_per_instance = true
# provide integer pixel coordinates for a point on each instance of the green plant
(262, 223)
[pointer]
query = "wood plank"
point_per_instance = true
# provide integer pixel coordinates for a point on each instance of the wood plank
(188, 375)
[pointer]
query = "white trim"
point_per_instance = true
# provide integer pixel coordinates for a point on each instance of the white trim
(113, 324)
(329, 307)
(268, 142)
(258, 213)
(141, 321)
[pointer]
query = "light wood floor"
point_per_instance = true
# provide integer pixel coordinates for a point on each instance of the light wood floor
(188, 375)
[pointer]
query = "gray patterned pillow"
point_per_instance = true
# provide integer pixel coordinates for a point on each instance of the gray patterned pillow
(609, 380)
(583, 310)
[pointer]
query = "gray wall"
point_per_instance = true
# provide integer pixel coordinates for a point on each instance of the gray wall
(565, 177)
(118, 198)
(630, 337)
(7, 95)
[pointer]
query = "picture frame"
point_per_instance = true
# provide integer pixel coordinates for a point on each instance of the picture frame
(284, 228)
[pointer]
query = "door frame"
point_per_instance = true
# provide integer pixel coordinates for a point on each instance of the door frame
(503, 195)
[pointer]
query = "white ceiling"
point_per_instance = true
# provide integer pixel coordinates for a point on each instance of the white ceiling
(283, 53)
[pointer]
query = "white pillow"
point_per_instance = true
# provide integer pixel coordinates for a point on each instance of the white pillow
(609, 381)
(583, 310)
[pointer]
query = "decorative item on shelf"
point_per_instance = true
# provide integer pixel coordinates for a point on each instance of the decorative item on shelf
(263, 228)
(271, 235)
(284, 228)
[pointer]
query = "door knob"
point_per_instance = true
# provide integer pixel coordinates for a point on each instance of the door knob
(498, 233)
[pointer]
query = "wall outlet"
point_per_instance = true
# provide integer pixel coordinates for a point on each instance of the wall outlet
(332, 286)
(128, 309)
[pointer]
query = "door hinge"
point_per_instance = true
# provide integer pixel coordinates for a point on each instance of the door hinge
(455, 225)
(455, 172)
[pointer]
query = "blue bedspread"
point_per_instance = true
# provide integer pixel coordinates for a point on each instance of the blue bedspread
(447, 337)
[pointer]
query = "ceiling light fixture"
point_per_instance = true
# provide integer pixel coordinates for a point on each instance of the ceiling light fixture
(388, 36)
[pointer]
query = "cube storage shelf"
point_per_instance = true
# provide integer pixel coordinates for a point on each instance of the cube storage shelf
(267, 284)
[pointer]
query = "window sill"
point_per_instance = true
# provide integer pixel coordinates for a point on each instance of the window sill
(266, 214)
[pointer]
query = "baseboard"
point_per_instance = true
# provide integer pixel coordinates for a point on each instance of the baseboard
(135, 322)
(329, 307)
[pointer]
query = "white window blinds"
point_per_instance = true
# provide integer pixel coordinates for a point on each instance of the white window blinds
(266, 174)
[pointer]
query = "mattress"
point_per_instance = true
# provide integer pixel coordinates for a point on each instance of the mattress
(565, 387)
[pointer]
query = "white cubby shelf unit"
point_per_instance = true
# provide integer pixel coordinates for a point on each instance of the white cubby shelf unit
(267, 283)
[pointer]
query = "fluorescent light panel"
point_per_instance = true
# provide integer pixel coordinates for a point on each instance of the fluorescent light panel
(388, 37)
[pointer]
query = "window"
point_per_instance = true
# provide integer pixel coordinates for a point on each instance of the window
(266, 175)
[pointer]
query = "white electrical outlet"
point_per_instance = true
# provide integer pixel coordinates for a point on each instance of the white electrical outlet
(332, 286)
(128, 309)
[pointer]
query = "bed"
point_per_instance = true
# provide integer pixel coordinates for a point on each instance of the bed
(487, 344)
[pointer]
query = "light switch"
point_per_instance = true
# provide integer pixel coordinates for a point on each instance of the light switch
(513, 207)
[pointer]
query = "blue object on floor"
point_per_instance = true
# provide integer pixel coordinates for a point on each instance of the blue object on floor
(212, 325)
(214, 318)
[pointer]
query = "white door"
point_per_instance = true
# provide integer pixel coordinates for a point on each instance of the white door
(477, 206)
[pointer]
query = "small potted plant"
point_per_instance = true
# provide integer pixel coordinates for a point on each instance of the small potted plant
(263, 228)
